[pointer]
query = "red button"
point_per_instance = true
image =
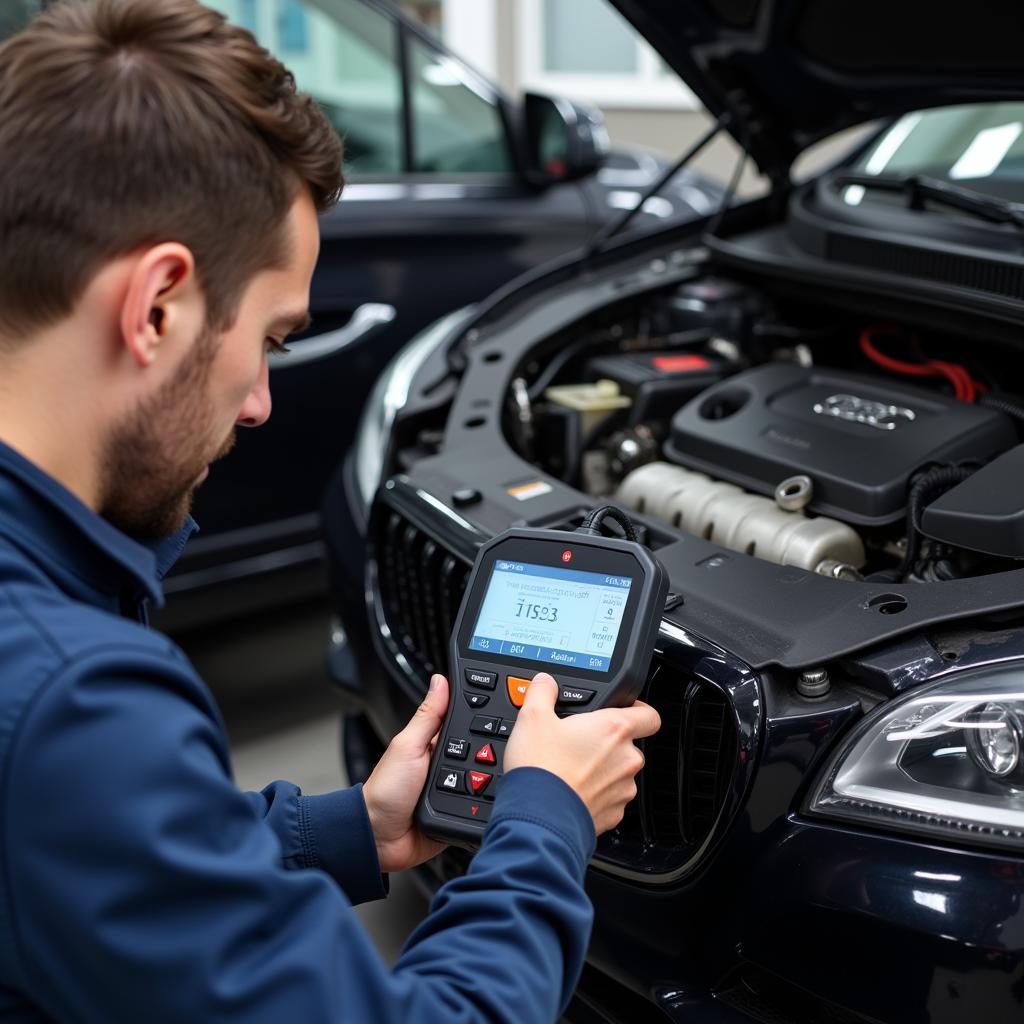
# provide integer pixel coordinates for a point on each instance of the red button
(485, 755)
(478, 781)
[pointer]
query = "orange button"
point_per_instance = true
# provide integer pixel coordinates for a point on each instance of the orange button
(517, 690)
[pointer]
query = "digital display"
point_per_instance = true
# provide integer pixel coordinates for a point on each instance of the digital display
(554, 616)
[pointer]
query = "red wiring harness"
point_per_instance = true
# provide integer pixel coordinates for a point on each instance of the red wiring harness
(965, 387)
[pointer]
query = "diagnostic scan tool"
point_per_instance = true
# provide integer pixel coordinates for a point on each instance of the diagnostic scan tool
(581, 606)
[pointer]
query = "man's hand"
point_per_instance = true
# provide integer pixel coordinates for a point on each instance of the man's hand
(394, 786)
(593, 752)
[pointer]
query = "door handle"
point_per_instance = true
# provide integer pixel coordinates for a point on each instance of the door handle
(366, 319)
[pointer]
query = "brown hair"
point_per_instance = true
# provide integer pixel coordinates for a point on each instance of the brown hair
(126, 123)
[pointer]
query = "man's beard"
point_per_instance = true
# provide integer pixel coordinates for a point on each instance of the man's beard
(156, 454)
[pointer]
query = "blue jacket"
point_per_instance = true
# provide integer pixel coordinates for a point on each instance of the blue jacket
(138, 884)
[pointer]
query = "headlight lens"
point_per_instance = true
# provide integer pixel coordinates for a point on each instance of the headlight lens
(994, 740)
(945, 761)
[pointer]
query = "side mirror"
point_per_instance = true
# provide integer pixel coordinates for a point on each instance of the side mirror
(564, 140)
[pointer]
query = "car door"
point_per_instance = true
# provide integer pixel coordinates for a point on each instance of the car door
(436, 214)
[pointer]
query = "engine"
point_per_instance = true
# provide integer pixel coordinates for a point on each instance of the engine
(802, 445)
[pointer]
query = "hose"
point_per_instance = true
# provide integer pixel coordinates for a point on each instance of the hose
(925, 490)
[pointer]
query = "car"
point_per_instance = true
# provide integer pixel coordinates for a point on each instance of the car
(811, 405)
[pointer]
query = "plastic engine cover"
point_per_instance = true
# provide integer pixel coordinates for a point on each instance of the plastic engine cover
(858, 438)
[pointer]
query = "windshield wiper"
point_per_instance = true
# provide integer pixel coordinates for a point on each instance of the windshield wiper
(920, 188)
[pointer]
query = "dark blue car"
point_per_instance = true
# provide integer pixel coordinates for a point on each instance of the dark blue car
(812, 405)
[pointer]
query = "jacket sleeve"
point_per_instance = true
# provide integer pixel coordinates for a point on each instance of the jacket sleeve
(140, 884)
(331, 832)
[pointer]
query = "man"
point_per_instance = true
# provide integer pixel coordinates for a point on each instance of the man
(159, 186)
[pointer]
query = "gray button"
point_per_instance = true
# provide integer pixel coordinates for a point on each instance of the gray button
(477, 677)
(483, 725)
(457, 749)
(574, 695)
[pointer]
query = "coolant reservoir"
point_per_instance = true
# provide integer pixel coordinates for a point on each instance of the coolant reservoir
(594, 402)
(748, 523)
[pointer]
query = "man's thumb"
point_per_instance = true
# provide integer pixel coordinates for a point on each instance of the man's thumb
(543, 692)
(423, 725)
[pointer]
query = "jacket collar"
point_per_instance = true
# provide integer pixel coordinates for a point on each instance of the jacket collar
(69, 540)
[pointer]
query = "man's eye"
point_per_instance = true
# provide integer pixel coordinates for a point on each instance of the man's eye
(277, 348)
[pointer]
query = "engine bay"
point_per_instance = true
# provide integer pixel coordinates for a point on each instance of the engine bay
(785, 431)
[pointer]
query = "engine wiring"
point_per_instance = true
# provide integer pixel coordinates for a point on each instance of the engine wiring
(965, 387)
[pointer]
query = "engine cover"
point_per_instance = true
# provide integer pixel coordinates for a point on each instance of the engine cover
(858, 438)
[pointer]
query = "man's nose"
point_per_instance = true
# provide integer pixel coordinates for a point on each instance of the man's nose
(256, 407)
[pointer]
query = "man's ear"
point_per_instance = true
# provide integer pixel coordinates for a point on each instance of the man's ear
(162, 291)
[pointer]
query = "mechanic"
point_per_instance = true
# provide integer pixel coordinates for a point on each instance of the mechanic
(159, 192)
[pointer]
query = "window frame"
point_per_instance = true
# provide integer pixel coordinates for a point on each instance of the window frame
(508, 116)
(470, 80)
(646, 88)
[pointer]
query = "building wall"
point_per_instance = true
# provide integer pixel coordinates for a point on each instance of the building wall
(667, 130)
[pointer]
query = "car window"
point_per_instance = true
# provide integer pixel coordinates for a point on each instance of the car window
(346, 55)
(455, 128)
(15, 15)
(976, 146)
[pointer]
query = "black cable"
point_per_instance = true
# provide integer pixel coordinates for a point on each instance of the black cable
(730, 191)
(926, 489)
(1007, 406)
(556, 365)
(592, 522)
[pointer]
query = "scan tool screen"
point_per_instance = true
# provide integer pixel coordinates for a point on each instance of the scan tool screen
(553, 616)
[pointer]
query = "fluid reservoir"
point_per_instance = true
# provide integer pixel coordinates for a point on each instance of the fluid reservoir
(748, 523)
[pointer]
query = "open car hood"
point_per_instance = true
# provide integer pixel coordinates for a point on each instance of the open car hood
(791, 72)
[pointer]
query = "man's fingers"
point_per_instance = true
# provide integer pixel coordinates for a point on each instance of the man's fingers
(426, 722)
(643, 719)
(543, 692)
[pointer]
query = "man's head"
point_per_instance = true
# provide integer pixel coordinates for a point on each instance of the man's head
(161, 178)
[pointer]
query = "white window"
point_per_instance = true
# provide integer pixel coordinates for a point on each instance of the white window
(585, 50)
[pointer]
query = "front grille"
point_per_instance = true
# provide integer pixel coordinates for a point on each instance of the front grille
(690, 763)
(421, 587)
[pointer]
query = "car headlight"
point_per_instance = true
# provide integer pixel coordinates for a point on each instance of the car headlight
(947, 761)
(389, 394)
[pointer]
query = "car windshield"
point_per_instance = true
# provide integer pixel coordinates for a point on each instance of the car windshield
(976, 147)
